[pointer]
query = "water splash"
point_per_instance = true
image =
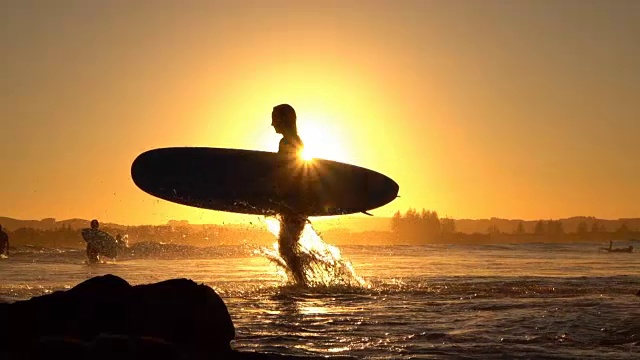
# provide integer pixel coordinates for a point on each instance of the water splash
(321, 264)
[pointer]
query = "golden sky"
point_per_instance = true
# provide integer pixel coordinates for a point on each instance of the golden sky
(516, 109)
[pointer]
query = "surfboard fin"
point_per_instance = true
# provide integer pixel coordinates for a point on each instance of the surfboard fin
(366, 213)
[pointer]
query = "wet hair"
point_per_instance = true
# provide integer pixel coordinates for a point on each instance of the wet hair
(94, 224)
(287, 115)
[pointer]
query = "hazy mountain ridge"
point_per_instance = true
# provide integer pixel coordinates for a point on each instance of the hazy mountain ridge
(351, 224)
(470, 226)
(49, 223)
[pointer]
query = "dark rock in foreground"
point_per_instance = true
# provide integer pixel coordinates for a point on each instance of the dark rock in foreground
(107, 318)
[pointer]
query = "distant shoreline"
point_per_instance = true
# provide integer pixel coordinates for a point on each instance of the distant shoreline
(52, 233)
(364, 223)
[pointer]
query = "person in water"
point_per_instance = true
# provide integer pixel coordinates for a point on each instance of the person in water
(92, 252)
(4, 242)
(283, 120)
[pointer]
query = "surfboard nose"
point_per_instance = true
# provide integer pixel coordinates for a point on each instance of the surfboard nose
(142, 165)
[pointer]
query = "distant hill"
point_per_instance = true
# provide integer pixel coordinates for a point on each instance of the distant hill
(470, 226)
(49, 224)
(351, 223)
(354, 223)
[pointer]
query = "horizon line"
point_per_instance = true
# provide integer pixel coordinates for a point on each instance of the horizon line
(323, 218)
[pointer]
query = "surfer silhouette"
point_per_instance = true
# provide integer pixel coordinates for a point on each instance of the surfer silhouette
(283, 120)
(100, 243)
(4, 242)
(92, 252)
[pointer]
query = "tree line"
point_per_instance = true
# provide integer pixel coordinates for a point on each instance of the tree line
(426, 226)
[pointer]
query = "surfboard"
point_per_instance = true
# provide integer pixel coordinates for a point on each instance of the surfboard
(103, 243)
(259, 182)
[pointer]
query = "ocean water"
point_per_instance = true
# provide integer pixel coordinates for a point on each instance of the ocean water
(542, 301)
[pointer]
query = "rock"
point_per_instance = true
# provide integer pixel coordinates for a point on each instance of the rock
(93, 306)
(106, 312)
(121, 347)
(184, 313)
(54, 348)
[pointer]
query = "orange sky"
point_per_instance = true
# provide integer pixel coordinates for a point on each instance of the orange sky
(522, 109)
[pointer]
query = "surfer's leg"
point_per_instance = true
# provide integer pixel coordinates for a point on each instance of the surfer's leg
(92, 254)
(291, 227)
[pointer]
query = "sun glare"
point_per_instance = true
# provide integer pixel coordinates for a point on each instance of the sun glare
(321, 141)
(306, 155)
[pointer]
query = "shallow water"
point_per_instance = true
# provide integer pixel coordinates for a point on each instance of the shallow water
(560, 301)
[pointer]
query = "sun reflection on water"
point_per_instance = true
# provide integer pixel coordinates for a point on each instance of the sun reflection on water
(313, 310)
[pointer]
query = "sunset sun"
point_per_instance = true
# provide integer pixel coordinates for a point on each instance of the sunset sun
(321, 141)
(306, 155)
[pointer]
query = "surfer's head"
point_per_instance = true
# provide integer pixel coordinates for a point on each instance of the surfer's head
(283, 119)
(94, 224)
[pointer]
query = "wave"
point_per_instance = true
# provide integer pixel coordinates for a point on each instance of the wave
(139, 250)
